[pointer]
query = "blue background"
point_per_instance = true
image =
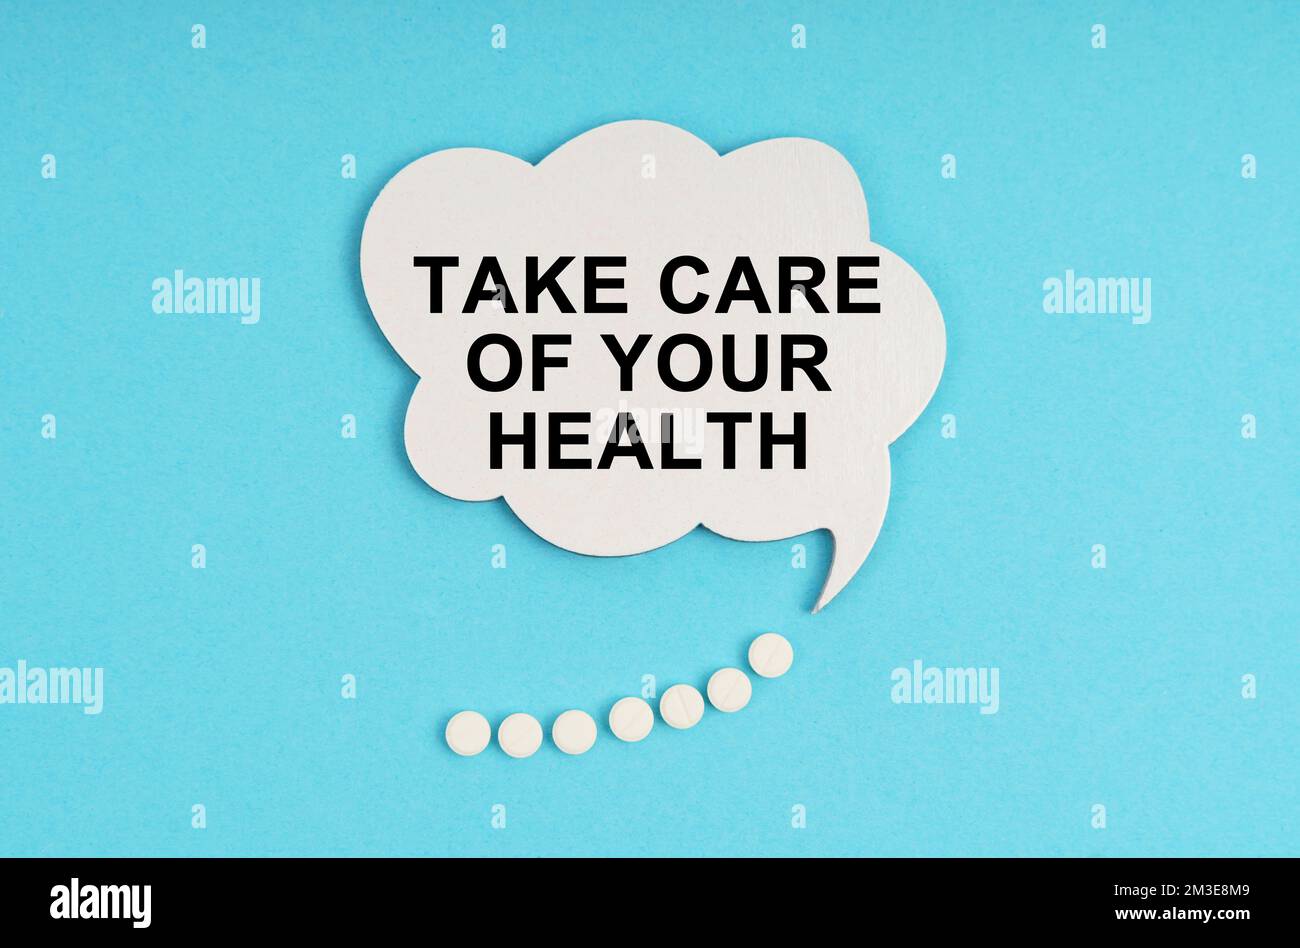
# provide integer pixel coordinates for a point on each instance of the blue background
(329, 556)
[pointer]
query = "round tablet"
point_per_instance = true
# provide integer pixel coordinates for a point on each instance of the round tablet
(729, 689)
(468, 733)
(574, 732)
(771, 655)
(631, 719)
(520, 735)
(681, 706)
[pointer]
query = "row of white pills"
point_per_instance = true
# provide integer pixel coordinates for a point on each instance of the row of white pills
(574, 732)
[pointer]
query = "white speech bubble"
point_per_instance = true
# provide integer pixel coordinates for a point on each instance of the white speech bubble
(649, 193)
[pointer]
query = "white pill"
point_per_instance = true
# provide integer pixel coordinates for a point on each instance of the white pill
(729, 689)
(631, 719)
(520, 735)
(468, 733)
(771, 655)
(574, 732)
(681, 706)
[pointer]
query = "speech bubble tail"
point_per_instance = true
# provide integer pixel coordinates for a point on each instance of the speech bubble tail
(855, 536)
(850, 553)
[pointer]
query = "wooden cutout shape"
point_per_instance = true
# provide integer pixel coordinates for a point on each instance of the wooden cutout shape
(649, 192)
